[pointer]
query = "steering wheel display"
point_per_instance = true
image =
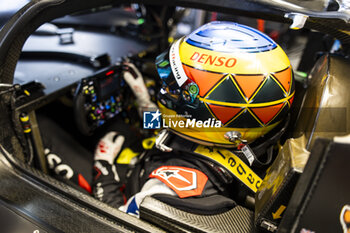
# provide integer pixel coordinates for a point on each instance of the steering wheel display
(99, 98)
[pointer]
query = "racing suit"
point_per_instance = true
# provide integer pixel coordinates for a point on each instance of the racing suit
(178, 179)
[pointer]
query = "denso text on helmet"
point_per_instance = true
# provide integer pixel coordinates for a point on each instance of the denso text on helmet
(213, 60)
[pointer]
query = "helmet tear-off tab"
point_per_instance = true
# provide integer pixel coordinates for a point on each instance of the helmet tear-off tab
(176, 64)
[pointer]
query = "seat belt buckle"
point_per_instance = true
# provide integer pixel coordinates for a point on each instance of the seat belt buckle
(236, 137)
(161, 138)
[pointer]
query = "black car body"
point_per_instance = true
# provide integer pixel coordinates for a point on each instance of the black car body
(33, 201)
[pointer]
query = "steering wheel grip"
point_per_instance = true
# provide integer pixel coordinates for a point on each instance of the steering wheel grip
(80, 113)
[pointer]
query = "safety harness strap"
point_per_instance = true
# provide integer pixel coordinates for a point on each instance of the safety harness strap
(167, 142)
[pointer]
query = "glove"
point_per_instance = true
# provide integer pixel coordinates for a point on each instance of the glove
(106, 185)
(109, 147)
(135, 81)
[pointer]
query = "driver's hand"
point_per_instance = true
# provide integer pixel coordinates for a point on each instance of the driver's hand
(109, 147)
(135, 81)
(106, 185)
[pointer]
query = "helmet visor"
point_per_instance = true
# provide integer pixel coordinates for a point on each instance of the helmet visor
(164, 71)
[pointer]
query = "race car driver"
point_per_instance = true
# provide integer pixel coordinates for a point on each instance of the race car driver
(225, 95)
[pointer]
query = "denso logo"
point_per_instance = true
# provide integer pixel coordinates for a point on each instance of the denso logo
(213, 60)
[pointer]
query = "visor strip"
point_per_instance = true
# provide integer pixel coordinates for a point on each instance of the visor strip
(176, 64)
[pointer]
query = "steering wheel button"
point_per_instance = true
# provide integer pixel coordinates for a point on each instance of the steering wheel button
(92, 116)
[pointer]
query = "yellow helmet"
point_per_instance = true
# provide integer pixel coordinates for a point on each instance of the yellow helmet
(224, 77)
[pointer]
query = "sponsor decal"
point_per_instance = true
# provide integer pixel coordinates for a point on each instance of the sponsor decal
(55, 163)
(212, 60)
(233, 163)
(176, 64)
(133, 208)
(186, 182)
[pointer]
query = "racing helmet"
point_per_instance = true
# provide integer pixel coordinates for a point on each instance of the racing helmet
(224, 77)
